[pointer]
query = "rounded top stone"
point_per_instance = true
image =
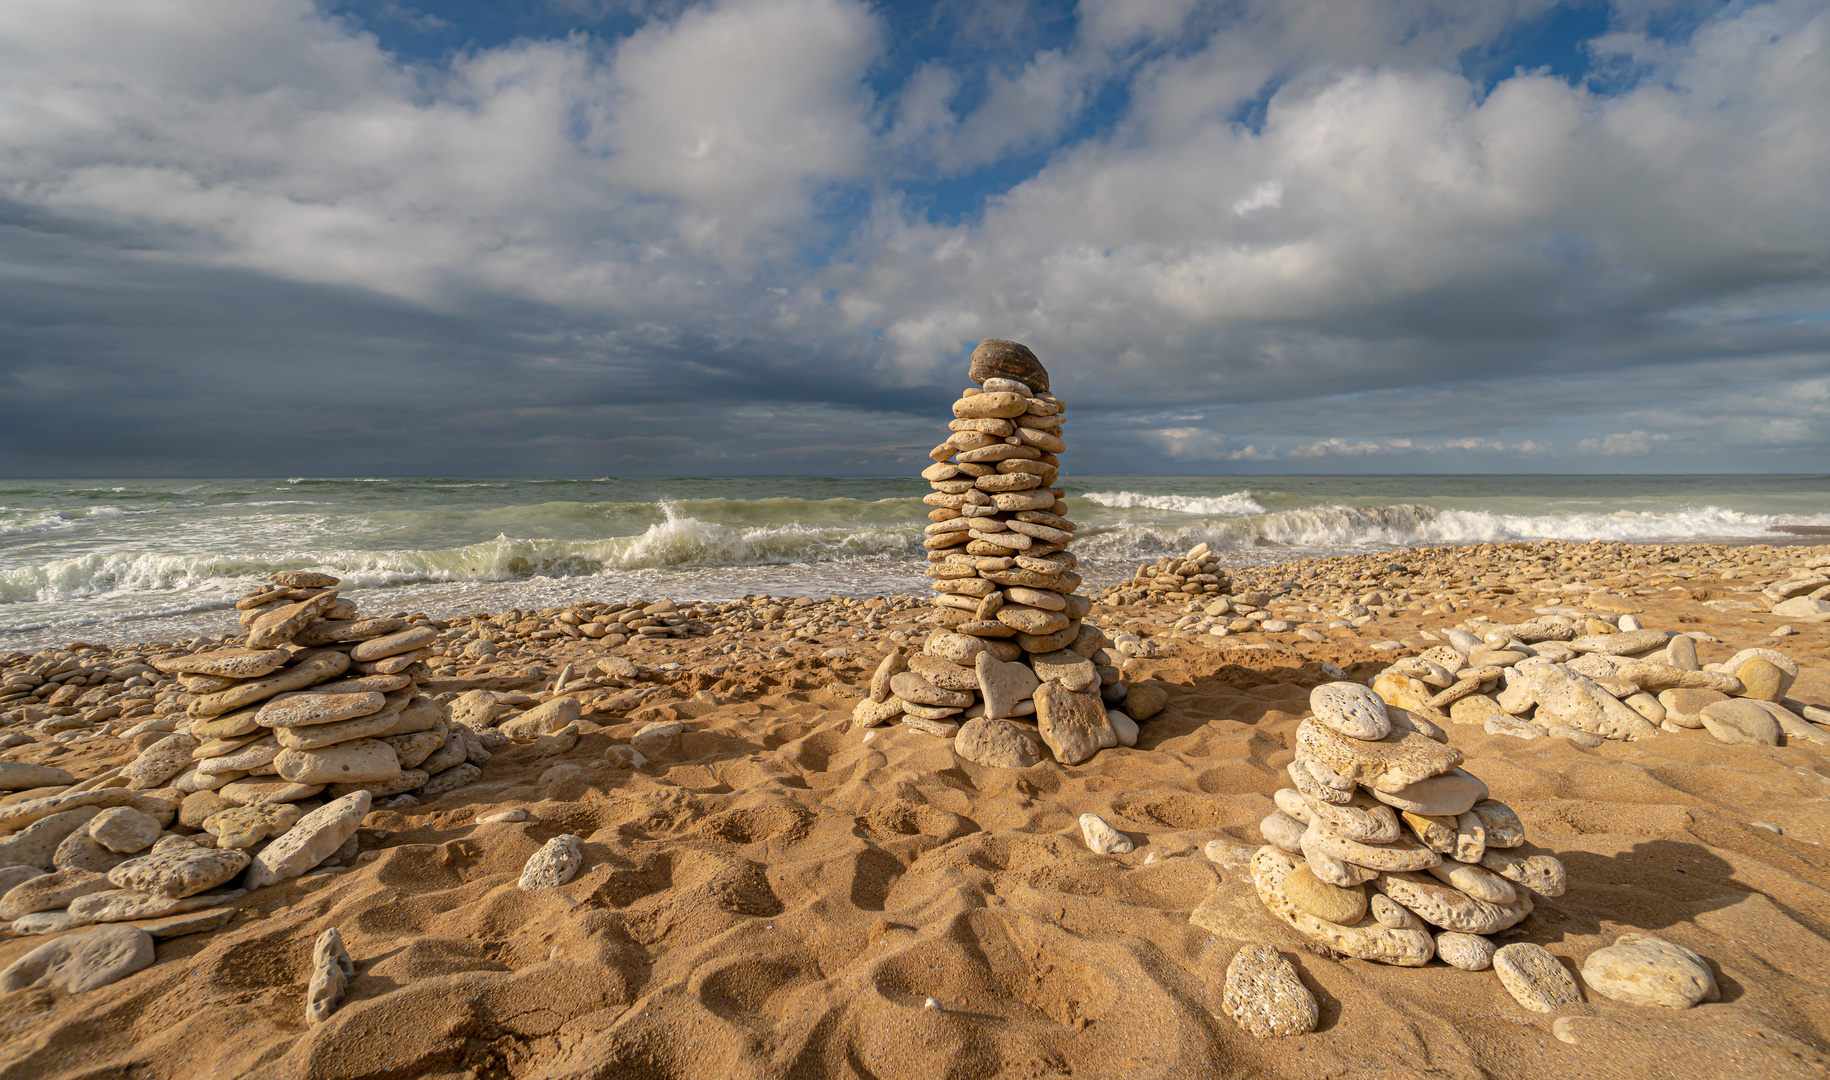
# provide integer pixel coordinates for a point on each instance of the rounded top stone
(996, 358)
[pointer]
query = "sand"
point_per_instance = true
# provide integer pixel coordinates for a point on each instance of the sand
(777, 895)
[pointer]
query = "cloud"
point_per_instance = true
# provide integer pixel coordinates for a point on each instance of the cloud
(1309, 224)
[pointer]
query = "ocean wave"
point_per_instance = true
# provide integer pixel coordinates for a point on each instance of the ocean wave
(47, 521)
(1237, 504)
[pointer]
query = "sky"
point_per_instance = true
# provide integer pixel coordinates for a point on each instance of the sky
(761, 237)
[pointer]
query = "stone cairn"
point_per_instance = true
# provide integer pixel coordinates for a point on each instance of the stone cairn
(261, 771)
(1384, 849)
(1010, 648)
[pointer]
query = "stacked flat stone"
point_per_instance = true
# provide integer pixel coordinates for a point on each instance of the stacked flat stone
(1385, 849)
(319, 702)
(1194, 576)
(1010, 644)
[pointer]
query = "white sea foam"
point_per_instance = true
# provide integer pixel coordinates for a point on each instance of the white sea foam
(1236, 504)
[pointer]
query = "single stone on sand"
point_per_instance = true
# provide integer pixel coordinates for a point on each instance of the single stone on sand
(1264, 996)
(1101, 838)
(179, 871)
(996, 744)
(542, 719)
(1469, 952)
(124, 830)
(1534, 977)
(331, 971)
(81, 962)
(1642, 970)
(1350, 709)
(553, 865)
(1072, 724)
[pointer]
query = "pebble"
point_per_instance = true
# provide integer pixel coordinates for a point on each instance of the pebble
(1283, 831)
(1642, 970)
(1101, 838)
(553, 865)
(1534, 978)
(331, 971)
(124, 830)
(19, 776)
(1350, 709)
(503, 817)
(1469, 952)
(1264, 995)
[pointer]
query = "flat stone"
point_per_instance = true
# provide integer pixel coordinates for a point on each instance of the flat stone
(1144, 700)
(944, 673)
(867, 713)
(1469, 952)
(19, 776)
(1403, 854)
(1283, 831)
(1741, 721)
(304, 710)
(161, 761)
(913, 689)
(1447, 795)
(420, 745)
(1568, 699)
(1389, 764)
(1642, 970)
(36, 845)
(1036, 622)
(277, 627)
(1316, 781)
(12, 876)
(996, 744)
(1476, 881)
(345, 763)
(1504, 829)
(122, 905)
(49, 892)
(1265, 997)
(179, 872)
(543, 719)
(309, 841)
(124, 830)
(310, 669)
(81, 962)
(553, 865)
(331, 971)
(408, 780)
(1622, 644)
(1450, 908)
(394, 644)
(1072, 724)
(230, 663)
(453, 778)
(246, 826)
(187, 922)
(1003, 685)
(1331, 903)
(1475, 709)
(1534, 978)
(1543, 874)
(251, 792)
(1101, 838)
(1366, 940)
(1351, 710)
(1388, 912)
(1065, 668)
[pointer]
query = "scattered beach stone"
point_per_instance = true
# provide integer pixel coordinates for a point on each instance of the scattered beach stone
(36, 845)
(179, 871)
(49, 892)
(1740, 721)
(81, 962)
(1642, 970)
(19, 776)
(1265, 996)
(310, 841)
(331, 971)
(124, 830)
(541, 720)
(1469, 952)
(553, 865)
(1534, 978)
(1101, 838)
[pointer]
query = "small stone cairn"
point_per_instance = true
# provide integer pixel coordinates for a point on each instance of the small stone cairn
(1193, 576)
(1010, 645)
(1384, 849)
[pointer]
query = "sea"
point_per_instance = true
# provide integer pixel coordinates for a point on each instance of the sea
(153, 560)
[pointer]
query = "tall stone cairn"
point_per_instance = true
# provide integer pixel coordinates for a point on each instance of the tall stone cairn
(319, 703)
(1379, 802)
(1010, 664)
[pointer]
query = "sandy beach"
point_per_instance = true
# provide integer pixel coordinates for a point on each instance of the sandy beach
(774, 893)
